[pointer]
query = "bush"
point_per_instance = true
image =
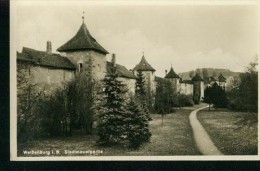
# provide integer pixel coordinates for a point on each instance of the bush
(185, 100)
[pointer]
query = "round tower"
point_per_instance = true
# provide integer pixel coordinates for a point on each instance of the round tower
(174, 78)
(198, 88)
(83, 48)
(149, 76)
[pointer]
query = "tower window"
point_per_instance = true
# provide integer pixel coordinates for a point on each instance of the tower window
(80, 67)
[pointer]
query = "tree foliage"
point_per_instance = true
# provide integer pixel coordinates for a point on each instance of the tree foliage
(28, 102)
(141, 93)
(138, 131)
(244, 93)
(165, 97)
(215, 95)
(120, 122)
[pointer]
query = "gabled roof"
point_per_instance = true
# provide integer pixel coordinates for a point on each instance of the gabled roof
(144, 66)
(121, 70)
(197, 77)
(82, 41)
(221, 78)
(45, 59)
(172, 74)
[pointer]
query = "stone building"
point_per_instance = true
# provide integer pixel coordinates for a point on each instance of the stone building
(48, 70)
(82, 53)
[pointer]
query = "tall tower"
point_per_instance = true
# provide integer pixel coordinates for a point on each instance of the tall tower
(149, 77)
(174, 78)
(83, 48)
(198, 88)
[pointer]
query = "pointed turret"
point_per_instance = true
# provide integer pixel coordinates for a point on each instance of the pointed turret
(82, 41)
(83, 48)
(144, 66)
(222, 81)
(197, 77)
(174, 78)
(221, 78)
(172, 74)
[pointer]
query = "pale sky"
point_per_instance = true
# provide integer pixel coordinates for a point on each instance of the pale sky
(186, 36)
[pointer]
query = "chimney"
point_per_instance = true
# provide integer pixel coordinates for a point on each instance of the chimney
(113, 60)
(49, 49)
(165, 72)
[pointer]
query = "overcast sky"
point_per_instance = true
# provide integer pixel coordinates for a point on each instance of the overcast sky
(186, 36)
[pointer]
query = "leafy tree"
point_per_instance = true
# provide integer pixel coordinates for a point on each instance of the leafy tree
(165, 97)
(28, 102)
(185, 100)
(215, 95)
(208, 96)
(244, 94)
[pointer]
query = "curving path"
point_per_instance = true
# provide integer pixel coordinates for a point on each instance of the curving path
(202, 139)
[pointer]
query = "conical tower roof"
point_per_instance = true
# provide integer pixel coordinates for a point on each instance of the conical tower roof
(172, 74)
(197, 77)
(144, 66)
(221, 78)
(82, 41)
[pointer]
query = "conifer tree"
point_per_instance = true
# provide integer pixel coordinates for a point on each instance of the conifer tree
(141, 93)
(113, 114)
(140, 87)
(138, 132)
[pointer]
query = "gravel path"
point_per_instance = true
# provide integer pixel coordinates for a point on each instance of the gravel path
(202, 139)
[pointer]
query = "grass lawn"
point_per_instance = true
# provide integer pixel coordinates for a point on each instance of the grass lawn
(173, 137)
(233, 133)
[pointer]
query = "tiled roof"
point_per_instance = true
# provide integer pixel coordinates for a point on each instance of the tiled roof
(144, 66)
(197, 77)
(161, 80)
(221, 78)
(82, 41)
(172, 74)
(121, 70)
(44, 59)
(186, 81)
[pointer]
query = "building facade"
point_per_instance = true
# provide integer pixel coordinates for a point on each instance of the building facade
(82, 53)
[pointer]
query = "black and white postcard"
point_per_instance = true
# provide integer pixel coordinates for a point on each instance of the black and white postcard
(134, 80)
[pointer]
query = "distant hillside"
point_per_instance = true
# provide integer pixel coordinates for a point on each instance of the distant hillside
(210, 72)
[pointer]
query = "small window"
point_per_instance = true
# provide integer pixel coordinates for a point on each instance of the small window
(64, 76)
(80, 67)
